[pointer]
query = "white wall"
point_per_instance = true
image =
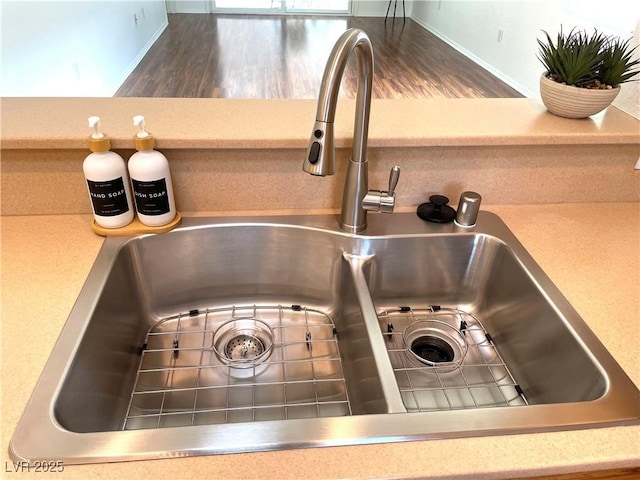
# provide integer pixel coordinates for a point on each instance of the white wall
(629, 97)
(376, 8)
(474, 27)
(75, 48)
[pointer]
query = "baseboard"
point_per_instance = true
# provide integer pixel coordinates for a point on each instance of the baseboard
(505, 78)
(138, 58)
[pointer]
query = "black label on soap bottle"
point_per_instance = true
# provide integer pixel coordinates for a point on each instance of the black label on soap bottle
(151, 196)
(109, 198)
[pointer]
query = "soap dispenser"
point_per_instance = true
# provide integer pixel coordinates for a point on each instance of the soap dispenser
(107, 181)
(151, 180)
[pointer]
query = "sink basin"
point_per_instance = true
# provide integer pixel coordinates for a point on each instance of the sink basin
(153, 353)
(244, 334)
(515, 347)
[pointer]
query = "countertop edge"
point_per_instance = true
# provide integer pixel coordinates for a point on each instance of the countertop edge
(60, 123)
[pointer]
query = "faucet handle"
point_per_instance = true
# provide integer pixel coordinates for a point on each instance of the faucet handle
(394, 176)
(381, 201)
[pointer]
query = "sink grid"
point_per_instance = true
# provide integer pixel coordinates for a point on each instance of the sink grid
(477, 378)
(181, 380)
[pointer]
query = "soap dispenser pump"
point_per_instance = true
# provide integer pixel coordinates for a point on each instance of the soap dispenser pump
(151, 180)
(107, 181)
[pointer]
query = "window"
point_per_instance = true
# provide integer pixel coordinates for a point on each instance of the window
(283, 6)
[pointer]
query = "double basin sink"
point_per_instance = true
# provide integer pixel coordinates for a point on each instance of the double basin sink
(247, 334)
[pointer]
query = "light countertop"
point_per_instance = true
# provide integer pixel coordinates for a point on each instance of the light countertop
(48, 123)
(590, 251)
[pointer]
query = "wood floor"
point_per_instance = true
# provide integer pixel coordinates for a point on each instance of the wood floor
(632, 473)
(241, 56)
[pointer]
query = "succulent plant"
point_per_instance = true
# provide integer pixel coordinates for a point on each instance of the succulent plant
(617, 62)
(589, 61)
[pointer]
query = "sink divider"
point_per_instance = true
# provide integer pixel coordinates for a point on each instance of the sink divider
(383, 363)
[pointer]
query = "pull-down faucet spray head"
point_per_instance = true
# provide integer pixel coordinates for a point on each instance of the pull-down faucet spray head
(321, 151)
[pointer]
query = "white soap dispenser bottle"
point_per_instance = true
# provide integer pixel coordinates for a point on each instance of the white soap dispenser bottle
(107, 181)
(151, 180)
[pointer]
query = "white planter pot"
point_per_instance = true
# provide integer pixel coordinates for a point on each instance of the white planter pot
(574, 102)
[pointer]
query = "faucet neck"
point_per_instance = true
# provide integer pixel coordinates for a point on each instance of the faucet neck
(358, 41)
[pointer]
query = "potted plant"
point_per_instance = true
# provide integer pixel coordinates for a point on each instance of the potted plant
(583, 72)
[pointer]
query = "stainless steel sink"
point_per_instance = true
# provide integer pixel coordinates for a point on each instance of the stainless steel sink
(244, 334)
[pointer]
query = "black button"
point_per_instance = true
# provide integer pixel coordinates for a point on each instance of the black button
(314, 153)
(317, 133)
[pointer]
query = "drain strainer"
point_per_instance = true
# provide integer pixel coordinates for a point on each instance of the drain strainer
(436, 344)
(244, 347)
(243, 343)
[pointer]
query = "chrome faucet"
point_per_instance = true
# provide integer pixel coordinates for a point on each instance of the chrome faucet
(356, 198)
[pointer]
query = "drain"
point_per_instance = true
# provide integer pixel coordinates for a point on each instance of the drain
(244, 347)
(436, 344)
(243, 343)
(432, 349)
